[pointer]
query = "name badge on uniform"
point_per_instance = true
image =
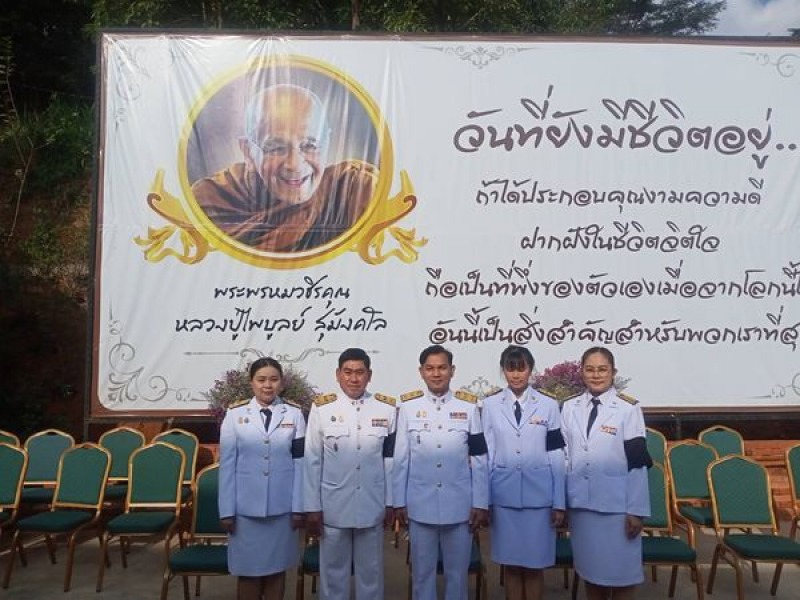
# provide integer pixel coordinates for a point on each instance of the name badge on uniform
(458, 416)
(380, 422)
(608, 429)
(286, 425)
(538, 421)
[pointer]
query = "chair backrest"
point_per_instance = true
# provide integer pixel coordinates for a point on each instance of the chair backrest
(121, 442)
(656, 446)
(44, 453)
(724, 440)
(686, 465)
(6, 437)
(82, 476)
(155, 479)
(659, 519)
(13, 462)
(793, 467)
(205, 510)
(740, 494)
(188, 444)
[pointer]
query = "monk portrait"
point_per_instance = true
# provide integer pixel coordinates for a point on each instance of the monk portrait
(285, 196)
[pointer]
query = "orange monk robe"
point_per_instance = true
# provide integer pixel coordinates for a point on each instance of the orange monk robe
(238, 202)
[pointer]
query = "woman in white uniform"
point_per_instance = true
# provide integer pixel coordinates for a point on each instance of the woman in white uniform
(260, 484)
(526, 473)
(607, 492)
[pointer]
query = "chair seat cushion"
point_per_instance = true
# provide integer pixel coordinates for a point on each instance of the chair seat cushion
(311, 559)
(666, 549)
(765, 547)
(37, 495)
(698, 514)
(141, 522)
(59, 520)
(563, 552)
(116, 491)
(200, 558)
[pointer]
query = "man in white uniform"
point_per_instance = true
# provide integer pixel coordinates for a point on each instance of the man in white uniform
(441, 484)
(347, 491)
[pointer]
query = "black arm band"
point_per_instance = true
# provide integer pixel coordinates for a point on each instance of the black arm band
(476, 444)
(388, 445)
(555, 440)
(298, 447)
(636, 453)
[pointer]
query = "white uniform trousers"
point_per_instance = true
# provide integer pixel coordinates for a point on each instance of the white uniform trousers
(456, 547)
(343, 549)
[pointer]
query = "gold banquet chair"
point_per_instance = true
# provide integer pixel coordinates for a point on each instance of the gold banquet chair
(741, 500)
(13, 462)
(120, 443)
(201, 556)
(76, 505)
(152, 504)
(724, 440)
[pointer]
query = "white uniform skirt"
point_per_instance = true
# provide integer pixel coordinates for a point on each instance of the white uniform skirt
(602, 552)
(523, 537)
(262, 546)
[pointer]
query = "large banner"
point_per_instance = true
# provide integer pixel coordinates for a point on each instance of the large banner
(295, 196)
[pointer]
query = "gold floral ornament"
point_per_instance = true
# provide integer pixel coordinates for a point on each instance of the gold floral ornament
(376, 236)
(194, 246)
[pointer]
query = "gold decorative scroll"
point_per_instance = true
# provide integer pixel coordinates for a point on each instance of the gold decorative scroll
(194, 247)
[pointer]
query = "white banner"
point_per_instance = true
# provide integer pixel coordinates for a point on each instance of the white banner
(295, 196)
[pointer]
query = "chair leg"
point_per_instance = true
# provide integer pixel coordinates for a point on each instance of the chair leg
(698, 577)
(672, 580)
(776, 578)
(754, 567)
(165, 584)
(299, 591)
(713, 573)
(51, 548)
(185, 582)
(654, 573)
(566, 578)
(70, 560)
(104, 560)
(793, 530)
(123, 542)
(9, 567)
(575, 581)
(197, 581)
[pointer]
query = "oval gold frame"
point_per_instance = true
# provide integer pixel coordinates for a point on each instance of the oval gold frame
(289, 260)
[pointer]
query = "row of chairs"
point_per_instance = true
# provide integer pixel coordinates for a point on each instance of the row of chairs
(713, 485)
(154, 488)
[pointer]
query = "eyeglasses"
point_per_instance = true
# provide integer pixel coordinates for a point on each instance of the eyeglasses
(281, 147)
(597, 370)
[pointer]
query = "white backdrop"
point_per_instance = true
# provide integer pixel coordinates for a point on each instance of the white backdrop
(644, 196)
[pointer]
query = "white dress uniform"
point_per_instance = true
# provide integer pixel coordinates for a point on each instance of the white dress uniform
(260, 484)
(526, 477)
(348, 477)
(440, 475)
(606, 480)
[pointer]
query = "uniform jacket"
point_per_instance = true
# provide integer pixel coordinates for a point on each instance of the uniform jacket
(258, 477)
(347, 476)
(434, 475)
(522, 472)
(598, 477)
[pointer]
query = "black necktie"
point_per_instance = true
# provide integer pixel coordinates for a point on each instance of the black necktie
(517, 411)
(592, 415)
(267, 417)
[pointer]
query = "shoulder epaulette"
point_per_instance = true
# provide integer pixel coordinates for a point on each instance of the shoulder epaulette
(549, 395)
(628, 399)
(567, 398)
(466, 396)
(385, 399)
(238, 403)
(411, 395)
(324, 399)
(493, 390)
(293, 403)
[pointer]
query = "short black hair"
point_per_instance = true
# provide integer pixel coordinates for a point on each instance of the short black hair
(355, 354)
(515, 357)
(435, 349)
(265, 361)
